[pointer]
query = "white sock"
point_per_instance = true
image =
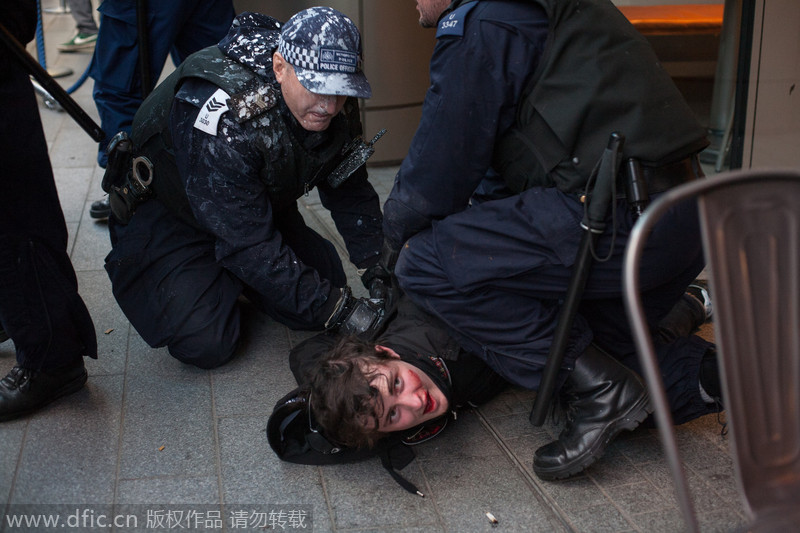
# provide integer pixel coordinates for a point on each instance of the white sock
(704, 395)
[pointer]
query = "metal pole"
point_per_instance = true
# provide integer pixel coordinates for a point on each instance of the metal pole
(724, 83)
(144, 46)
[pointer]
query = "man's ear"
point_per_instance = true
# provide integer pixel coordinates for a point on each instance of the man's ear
(278, 66)
(389, 351)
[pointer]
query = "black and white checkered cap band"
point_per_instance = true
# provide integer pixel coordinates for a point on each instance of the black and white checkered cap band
(333, 60)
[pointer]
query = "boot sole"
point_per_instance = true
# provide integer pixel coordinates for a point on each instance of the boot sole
(101, 213)
(630, 421)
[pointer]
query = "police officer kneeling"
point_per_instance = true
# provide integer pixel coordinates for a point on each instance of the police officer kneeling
(205, 206)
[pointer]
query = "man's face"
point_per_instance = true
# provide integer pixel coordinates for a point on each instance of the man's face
(409, 395)
(313, 111)
(429, 11)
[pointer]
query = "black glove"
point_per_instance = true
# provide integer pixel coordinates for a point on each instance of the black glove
(388, 258)
(378, 281)
(356, 316)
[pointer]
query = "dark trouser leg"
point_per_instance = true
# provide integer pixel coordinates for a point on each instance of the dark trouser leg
(40, 308)
(511, 331)
(39, 303)
(177, 27)
(169, 285)
(494, 273)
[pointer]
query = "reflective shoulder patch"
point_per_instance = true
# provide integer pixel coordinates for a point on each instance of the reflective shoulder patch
(212, 110)
(453, 23)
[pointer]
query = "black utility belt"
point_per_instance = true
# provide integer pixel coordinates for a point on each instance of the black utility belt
(661, 178)
(638, 181)
(127, 178)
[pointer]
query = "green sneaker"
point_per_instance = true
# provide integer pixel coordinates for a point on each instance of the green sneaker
(81, 42)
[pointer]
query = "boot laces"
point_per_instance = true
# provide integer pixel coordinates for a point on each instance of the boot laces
(563, 404)
(721, 419)
(19, 378)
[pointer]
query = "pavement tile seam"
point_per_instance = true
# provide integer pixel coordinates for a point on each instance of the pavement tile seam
(531, 481)
(435, 501)
(120, 432)
(17, 463)
(325, 495)
(216, 440)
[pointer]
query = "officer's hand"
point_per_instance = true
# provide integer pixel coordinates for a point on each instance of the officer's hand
(356, 316)
(378, 281)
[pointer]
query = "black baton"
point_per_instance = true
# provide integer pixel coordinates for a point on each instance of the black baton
(593, 224)
(51, 86)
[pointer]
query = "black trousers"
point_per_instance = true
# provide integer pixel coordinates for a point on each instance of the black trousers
(40, 308)
(495, 273)
(167, 281)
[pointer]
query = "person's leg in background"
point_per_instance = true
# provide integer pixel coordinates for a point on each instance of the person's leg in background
(85, 27)
(177, 28)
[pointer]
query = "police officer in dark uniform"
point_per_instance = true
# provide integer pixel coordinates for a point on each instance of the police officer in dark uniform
(531, 90)
(231, 139)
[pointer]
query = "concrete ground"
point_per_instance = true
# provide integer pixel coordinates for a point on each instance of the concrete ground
(173, 447)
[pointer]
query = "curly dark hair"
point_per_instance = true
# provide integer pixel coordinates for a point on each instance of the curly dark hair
(344, 403)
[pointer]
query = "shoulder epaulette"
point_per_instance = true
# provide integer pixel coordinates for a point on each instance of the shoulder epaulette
(252, 102)
(452, 24)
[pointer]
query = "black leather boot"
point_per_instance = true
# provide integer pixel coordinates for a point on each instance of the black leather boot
(100, 208)
(24, 391)
(603, 398)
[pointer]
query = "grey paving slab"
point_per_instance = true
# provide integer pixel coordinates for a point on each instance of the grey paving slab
(144, 360)
(363, 495)
(465, 489)
(161, 492)
(70, 147)
(69, 453)
(659, 520)
(252, 475)
(165, 504)
(638, 497)
(167, 428)
(92, 242)
(465, 437)
(111, 326)
(573, 495)
(256, 378)
(11, 439)
(604, 519)
(72, 184)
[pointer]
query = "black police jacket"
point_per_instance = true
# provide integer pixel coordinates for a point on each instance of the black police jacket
(235, 183)
(531, 90)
